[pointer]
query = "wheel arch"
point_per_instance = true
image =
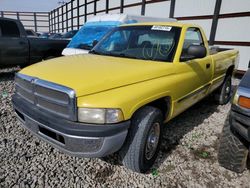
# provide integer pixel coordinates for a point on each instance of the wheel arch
(164, 104)
(230, 71)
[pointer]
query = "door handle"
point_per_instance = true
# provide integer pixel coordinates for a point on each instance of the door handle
(208, 65)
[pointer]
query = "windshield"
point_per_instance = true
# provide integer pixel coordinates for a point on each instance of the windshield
(156, 43)
(90, 32)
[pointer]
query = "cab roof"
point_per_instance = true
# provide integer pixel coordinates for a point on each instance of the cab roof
(174, 24)
(128, 18)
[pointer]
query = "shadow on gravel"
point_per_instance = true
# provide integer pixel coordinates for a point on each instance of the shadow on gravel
(177, 128)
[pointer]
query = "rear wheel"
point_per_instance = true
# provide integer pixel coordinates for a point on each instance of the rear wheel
(232, 152)
(223, 93)
(142, 145)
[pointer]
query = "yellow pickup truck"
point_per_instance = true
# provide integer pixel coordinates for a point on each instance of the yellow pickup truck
(119, 97)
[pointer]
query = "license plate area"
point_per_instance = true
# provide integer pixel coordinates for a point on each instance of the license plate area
(57, 137)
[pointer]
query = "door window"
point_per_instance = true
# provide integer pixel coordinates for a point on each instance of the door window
(9, 29)
(193, 37)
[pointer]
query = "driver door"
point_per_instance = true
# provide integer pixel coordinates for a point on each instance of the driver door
(195, 74)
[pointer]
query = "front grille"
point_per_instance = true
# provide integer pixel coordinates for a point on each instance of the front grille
(47, 96)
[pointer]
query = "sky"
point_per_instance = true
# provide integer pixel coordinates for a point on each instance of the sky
(29, 5)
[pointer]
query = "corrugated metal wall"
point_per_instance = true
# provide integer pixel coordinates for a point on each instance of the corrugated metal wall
(229, 20)
(233, 29)
(226, 22)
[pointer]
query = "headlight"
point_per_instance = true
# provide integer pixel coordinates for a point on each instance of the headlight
(99, 115)
(236, 98)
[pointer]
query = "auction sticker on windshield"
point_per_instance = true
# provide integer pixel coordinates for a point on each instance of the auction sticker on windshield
(161, 28)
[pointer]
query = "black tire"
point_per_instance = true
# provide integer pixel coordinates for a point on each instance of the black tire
(223, 93)
(133, 152)
(232, 152)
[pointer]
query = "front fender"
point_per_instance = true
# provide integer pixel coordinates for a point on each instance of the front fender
(129, 98)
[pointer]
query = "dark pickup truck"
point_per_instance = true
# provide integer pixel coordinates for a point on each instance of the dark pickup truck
(18, 49)
(235, 138)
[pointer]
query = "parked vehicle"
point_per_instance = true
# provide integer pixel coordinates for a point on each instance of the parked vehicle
(69, 35)
(95, 28)
(235, 137)
(17, 49)
(65, 36)
(118, 97)
(55, 36)
(45, 35)
(31, 33)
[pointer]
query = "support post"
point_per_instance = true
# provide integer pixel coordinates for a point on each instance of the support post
(122, 6)
(58, 24)
(72, 15)
(215, 21)
(95, 7)
(67, 18)
(54, 12)
(35, 22)
(62, 13)
(78, 13)
(85, 10)
(17, 16)
(172, 8)
(107, 6)
(49, 21)
(143, 7)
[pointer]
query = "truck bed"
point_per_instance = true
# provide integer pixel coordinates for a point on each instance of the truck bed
(215, 49)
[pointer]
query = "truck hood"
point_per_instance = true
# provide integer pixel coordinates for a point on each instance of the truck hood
(88, 74)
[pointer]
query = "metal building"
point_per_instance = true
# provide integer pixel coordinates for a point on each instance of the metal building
(226, 22)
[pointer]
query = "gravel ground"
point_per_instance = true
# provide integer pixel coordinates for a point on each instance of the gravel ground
(188, 156)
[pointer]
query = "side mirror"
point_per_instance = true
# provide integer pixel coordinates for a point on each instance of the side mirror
(193, 52)
(94, 43)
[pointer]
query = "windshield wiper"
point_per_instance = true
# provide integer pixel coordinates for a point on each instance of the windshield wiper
(122, 55)
(113, 54)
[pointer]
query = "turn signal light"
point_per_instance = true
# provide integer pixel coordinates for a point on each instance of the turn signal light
(244, 102)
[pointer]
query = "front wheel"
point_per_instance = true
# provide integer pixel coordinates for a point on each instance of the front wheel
(142, 145)
(223, 93)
